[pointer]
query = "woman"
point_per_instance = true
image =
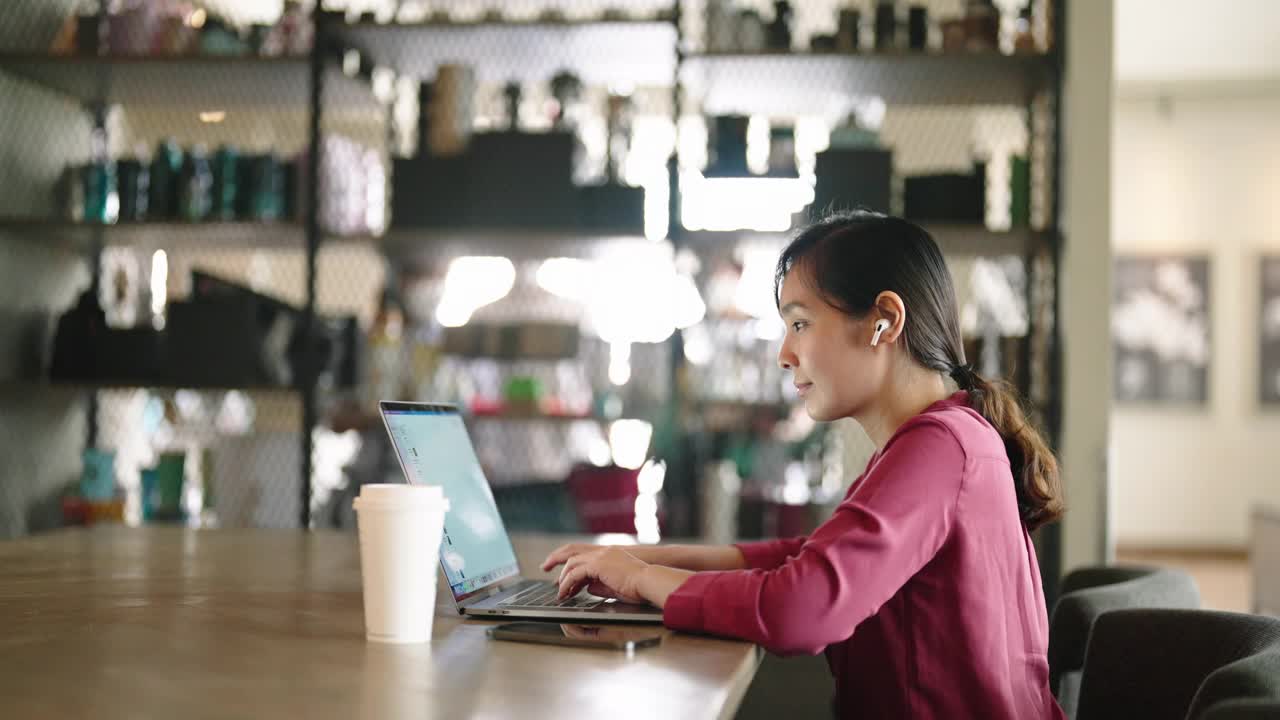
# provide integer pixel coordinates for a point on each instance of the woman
(923, 587)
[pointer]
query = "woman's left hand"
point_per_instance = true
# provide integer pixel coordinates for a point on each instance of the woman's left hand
(607, 572)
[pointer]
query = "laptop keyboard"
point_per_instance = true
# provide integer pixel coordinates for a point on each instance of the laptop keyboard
(545, 595)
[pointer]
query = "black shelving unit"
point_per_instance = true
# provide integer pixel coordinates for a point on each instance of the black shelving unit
(954, 240)
(235, 82)
(655, 52)
(187, 83)
(168, 234)
(602, 51)
(757, 82)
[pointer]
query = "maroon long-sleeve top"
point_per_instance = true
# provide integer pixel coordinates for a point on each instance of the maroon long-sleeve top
(923, 587)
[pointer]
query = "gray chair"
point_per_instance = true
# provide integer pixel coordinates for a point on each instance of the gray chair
(1149, 664)
(796, 687)
(1248, 688)
(1243, 710)
(1087, 593)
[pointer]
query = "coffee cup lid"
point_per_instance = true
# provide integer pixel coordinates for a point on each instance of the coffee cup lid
(392, 496)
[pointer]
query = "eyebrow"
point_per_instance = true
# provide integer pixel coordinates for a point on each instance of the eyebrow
(793, 305)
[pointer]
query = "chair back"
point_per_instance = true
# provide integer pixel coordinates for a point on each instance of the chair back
(1150, 663)
(1087, 593)
(1246, 688)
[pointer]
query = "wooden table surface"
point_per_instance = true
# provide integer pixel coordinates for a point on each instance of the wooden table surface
(173, 623)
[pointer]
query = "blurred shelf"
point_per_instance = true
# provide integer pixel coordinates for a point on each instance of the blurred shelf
(978, 241)
(434, 244)
(170, 234)
(958, 240)
(728, 404)
(737, 415)
(88, 385)
(185, 81)
(804, 82)
(601, 52)
(536, 417)
(33, 385)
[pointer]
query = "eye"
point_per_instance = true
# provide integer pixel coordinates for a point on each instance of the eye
(799, 325)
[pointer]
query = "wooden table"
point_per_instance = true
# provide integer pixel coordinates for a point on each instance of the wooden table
(172, 623)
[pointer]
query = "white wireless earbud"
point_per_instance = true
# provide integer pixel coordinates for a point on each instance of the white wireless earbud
(881, 326)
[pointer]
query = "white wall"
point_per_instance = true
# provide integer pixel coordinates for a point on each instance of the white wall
(1197, 172)
(1194, 40)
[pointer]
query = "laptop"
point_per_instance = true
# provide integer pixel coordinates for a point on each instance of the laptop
(476, 555)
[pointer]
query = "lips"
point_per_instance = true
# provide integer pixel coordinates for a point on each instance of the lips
(803, 388)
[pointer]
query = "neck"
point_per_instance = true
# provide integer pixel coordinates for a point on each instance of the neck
(906, 394)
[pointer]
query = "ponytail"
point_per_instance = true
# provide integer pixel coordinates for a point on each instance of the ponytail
(1035, 470)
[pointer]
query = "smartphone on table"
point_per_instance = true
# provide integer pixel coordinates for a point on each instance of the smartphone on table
(619, 637)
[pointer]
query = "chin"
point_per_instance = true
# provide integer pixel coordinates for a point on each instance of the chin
(820, 413)
(827, 411)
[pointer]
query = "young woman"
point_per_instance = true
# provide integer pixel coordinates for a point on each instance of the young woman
(923, 587)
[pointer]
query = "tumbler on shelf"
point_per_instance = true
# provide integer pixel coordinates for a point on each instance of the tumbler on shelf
(982, 25)
(722, 31)
(847, 30)
(886, 25)
(98, 475)
(751, 32)
(166, 166)
(779, 34)
(133, 180)
(918, 27)
(101, 201)
(195, 186)
(169, 486)
(263, 196)
(226, 183)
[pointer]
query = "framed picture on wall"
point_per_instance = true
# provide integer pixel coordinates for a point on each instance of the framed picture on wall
(1269, 333)
(1160, 328)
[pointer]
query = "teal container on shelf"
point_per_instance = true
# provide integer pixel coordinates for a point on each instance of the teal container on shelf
(150, 493)
(98, 476)
(170, 477)
(101, 201)
(226, 183)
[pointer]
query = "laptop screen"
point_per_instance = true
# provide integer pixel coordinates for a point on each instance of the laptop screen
(434, 449)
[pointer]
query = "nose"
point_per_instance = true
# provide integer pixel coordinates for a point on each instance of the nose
(786, 358)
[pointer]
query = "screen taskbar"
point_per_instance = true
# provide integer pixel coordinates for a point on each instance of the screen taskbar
(472, 585)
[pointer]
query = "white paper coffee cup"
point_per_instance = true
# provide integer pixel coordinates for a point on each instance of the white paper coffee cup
(400, 528)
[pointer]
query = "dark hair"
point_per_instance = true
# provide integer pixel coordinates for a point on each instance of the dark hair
(850, 258)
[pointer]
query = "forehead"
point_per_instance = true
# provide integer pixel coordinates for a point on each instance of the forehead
(796, 288)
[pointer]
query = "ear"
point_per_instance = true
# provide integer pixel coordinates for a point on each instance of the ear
(888, 306)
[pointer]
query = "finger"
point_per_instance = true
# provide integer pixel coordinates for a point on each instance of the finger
(573, 582)
(577, 559)
(564, 553)
(557, 556)
(568, 565)
(561, 591)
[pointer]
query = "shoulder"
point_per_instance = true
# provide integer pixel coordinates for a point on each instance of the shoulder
(964, 425)
(926, 448)
(929, 431)
(923, 464)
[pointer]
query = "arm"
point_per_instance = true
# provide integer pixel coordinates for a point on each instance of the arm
(768, 554)
(687, 557)
(668, 570)
(851, 565)
(699, 557)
